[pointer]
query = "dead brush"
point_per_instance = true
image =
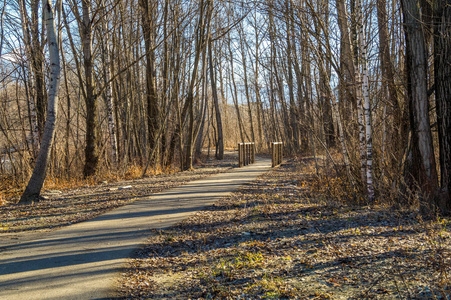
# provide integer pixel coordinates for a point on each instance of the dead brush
(10, 189)
(337, 187)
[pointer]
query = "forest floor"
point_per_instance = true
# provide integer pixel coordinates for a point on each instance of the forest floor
(290, 236)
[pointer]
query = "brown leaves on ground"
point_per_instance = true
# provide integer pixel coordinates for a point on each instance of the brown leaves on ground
(277, 239)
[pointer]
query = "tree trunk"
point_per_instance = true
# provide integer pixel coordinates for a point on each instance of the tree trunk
(33, 189)
(200, 41)
(148, 26)
(34, 62)
(108, 94)
(220, 144)
(294, 115)
(366, 107)
(91, 150)
(442, 68)
(246, 85)
(397, 139)
(423, 172)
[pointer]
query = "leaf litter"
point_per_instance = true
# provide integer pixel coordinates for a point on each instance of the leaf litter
(279, 238)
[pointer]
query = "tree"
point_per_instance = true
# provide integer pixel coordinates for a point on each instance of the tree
(201, 32)
(421, 171)
(108, 94)
(442, 68)
(220, 144)
(366, 105)
(92, 130)
(34, 51)
(36, 82)
(33, 189)
(149, 31)
(397, 139)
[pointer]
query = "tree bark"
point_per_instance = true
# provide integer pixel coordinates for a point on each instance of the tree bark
(366, 107)
(220, 144)
(148, 26)
(91, 149)
(397, 139)
(200, 43)
(442, 68)
(423, 173)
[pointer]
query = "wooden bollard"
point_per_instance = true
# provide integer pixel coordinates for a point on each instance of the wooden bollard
(277, 153)
(246, 154)
(240, 155)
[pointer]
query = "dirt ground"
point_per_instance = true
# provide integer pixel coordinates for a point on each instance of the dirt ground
(279, 238)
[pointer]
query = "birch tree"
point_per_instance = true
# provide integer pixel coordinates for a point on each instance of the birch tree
(33, 189)
(366, 105)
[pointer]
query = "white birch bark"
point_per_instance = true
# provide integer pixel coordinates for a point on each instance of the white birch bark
(33, 189)
(366, 106)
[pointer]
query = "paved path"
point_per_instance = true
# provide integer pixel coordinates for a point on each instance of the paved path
(82, 261)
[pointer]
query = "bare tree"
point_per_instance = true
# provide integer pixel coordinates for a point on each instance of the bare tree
(442, 68)
(33, 189)
(220, 143)
(149, 31)
(422, 170)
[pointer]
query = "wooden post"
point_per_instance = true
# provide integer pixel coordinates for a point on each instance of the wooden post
(280, 153)
(273, 154)
(240, 155)
(277, 153)
(243, 154)
(246, 154)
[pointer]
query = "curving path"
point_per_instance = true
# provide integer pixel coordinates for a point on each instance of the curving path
(82, 261)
